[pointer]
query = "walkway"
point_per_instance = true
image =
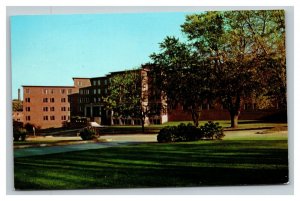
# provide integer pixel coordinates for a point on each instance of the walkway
(116, 140)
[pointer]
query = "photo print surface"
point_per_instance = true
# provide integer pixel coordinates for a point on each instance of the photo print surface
(142, 100)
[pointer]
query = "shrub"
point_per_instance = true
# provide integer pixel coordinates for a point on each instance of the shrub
(19, 134)
(166, 134)
(212, 131)
(185, 133)
(87, 134)
(180, 133)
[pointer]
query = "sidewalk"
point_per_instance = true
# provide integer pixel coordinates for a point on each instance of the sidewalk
(38, 151)
(112, 141)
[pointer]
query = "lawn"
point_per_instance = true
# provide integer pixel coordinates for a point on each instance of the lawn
(232, 161)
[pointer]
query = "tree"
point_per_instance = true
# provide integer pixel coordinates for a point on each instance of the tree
(245, 50)
(182, 76)
(17, 105)
(128, 96)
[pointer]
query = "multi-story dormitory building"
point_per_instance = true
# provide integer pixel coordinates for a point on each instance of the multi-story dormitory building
(49, 106)
(90, 101)
(53, 106)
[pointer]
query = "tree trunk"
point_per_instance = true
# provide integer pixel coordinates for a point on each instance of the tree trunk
(195, 117)
(234, 117)
(143, 125)
(235, 111)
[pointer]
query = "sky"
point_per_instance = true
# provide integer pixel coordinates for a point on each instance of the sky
(51, 49)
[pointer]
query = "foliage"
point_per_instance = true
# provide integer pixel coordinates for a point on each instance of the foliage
(17, 105)
(231, 55)
(188, 132)
(87, 134)
(29, 127)
(212, 131)
(128, 98)
(182, 76)
(19, 134)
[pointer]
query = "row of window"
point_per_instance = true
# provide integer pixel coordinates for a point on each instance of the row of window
(95, 91)
(98, 82)
(52, 118)
(52, 100)
(87, 100)
(46, 100)
(46, 109)
(52, 91)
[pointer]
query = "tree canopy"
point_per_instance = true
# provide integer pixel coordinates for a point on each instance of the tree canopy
(229, 56)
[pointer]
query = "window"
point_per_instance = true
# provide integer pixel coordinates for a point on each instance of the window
(68, 108)
(94, 82)
(45, 118)
(27, 118)
(105, 82)
(95, 100)
(45, 91)
(63, 118)
(69, 91)
(80, 91)
(51, 108)
(52, 100)
(52, 118)
(95, 91)
(27, 100)
(63, 108)
(62, 91)
(63, 100)
(79, 83)
(52, 91)
(27, 109)
(99, 82)
(45, 100)
(45, 109)
(105, 91)
(99, 91)
(68, 117)
(27, 91)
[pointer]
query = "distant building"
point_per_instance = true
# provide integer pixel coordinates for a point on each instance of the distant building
(46, 106)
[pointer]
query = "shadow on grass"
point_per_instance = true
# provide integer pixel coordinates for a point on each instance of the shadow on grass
(158, 165)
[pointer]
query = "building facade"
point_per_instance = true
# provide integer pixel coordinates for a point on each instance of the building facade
(91, 105)
(46, 106)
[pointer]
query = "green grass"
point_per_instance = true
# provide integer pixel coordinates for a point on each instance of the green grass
(236, 160)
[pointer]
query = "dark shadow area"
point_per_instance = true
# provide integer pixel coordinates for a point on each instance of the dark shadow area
(215, 163)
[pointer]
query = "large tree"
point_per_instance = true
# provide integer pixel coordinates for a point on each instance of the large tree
(246, 51)
(182, 76)
(128, 96)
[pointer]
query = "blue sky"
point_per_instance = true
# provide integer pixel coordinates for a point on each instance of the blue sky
(51, 49)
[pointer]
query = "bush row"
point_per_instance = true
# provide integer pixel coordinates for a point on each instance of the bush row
(188, 132)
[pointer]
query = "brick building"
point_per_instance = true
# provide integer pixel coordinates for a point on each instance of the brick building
(89, 101)
(46, 106)
(53, 106)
